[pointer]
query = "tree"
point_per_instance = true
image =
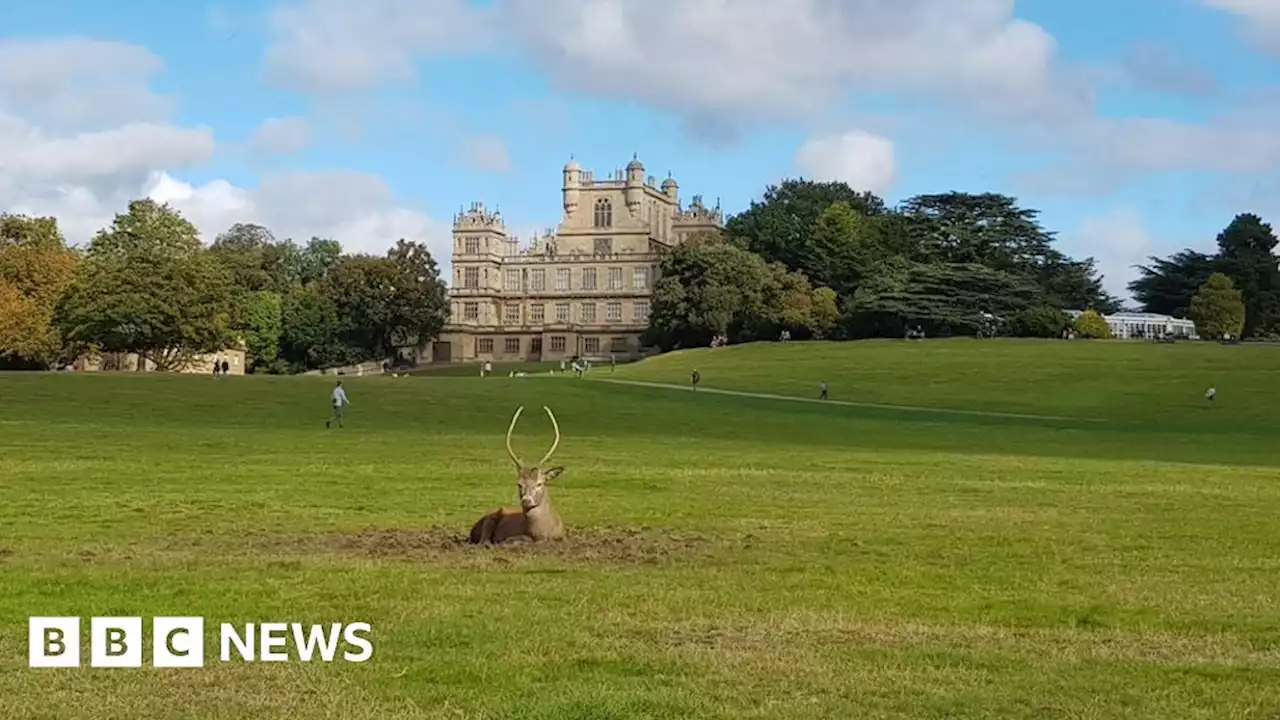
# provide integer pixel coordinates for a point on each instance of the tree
(421, 300)
(148, 286)
(846, 246)
(1218, 308)
(318, 258)
(780, 226)
(1090, 324)
(1166, 285)
(36, 269)
(263, 325)
(943, 298)
(1042, 321)
(1246, 255)
(312, 330)
(709, 287)
(825, 313)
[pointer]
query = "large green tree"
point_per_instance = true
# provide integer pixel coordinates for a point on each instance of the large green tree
(1218, 308)
(780, 226)
(148, 286)
(942, 298)
(1165, 286)
(1246, 254)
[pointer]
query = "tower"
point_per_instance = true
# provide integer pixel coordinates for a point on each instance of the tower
(635, 185)
(572, 181)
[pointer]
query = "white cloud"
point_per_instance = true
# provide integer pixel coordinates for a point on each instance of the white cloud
(73, 83)
(1118, 241)
(1261, 17)
(357, 209)
(863, 160)
(83, 168)
(324, 46)
(282, 136)
(487, 153)
(715, 59)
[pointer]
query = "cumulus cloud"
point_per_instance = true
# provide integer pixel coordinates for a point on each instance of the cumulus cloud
(357, 209)
(863, 160)
(487, 153)
(281, 136)
(1149, 66)
(83, 168)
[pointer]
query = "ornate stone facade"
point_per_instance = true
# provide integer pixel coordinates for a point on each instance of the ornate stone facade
(582, 290)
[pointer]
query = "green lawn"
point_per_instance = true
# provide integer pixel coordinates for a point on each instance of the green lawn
(730, 556)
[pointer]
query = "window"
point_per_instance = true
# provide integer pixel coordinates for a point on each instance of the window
(513, 280)
(471, 311)
(535, 346)
(562, 279)
(511, 314)
(471, 278)
(603, 246)
(537, 313)
(471, 246)
(588, 312)
(589, 279)
(591, 346)
(603, 213)
(614, 312)
(642, 311)
(511, 346)
(539, 280)
(615, 278)
(562, 312)
(557, 343)
(618, 345)
(640, 278)
(484, 346)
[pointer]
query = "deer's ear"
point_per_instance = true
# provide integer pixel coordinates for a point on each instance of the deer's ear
(552, 473)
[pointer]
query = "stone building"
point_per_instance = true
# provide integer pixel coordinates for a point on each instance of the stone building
(584, 289)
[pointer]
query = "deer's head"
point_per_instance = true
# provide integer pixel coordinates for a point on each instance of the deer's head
(533, 479)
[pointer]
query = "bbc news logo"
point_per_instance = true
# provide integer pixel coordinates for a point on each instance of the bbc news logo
(179, 642)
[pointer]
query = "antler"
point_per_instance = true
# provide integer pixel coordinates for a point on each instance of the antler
(514, 458)
(555, 443)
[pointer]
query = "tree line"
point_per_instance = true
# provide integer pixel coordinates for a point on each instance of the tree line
(815, 260)
(147, 285)
(821, 260)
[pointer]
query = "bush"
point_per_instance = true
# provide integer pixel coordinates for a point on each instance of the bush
(1091, 325)
(1039, 322)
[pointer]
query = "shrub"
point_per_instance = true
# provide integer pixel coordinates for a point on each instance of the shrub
(1091, 325)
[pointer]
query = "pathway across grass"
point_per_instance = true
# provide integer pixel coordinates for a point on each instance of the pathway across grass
(851, 403)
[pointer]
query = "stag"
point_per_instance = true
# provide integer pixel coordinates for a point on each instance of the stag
(535, 519)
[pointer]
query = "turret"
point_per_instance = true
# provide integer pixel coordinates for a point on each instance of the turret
(572, 181)
(671, 190)
(635, 185)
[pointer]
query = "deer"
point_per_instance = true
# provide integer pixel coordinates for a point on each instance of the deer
(536, 519)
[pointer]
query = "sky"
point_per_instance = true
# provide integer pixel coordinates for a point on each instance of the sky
(1137, 128)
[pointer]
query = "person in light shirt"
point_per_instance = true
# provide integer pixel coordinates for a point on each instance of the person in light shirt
(340, 402)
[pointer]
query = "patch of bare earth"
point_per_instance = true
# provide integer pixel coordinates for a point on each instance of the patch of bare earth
(641, 546)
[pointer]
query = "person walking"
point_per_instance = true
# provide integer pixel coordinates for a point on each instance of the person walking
(695, 377)
(823, 396)
(340, 402)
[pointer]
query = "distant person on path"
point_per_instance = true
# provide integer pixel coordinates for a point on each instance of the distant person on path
(613, 362)
(340, 402)
(1210, 394)
(823, 396)
(217, 367)
(695, 378)
(226, 367)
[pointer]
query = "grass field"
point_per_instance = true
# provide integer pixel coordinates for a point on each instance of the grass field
(730, 556)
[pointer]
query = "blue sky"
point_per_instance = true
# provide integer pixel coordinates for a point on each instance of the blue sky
(1137, 128)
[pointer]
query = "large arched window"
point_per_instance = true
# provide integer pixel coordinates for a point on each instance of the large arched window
(604, 213)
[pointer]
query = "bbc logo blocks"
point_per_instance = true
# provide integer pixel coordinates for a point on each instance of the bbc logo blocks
(116, 642)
